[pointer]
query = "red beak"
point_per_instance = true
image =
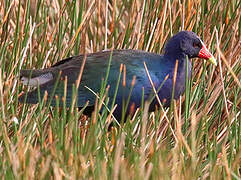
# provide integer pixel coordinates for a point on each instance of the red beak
(205, 54)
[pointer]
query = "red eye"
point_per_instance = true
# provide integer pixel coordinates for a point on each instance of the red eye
(195, 45)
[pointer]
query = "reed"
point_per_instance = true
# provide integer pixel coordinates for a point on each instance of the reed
(198, 139)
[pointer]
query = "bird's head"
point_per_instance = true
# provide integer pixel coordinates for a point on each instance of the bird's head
(188, 43)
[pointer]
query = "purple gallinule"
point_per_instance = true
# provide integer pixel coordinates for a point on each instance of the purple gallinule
(183, 44)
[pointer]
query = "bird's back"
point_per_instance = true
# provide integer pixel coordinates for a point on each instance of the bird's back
(94, 73)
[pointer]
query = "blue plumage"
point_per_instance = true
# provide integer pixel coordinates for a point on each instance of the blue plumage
(159, 66)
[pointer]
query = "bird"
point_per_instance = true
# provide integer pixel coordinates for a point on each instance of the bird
(161, 69)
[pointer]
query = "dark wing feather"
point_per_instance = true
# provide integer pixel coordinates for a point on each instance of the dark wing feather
(95, 70)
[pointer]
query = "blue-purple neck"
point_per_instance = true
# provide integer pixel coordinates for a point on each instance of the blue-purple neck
(173, 56)
(181, 57)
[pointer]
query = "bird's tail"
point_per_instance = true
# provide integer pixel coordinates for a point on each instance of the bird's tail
(35, 77)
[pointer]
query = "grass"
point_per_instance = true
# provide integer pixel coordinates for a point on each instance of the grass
(200, 138)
